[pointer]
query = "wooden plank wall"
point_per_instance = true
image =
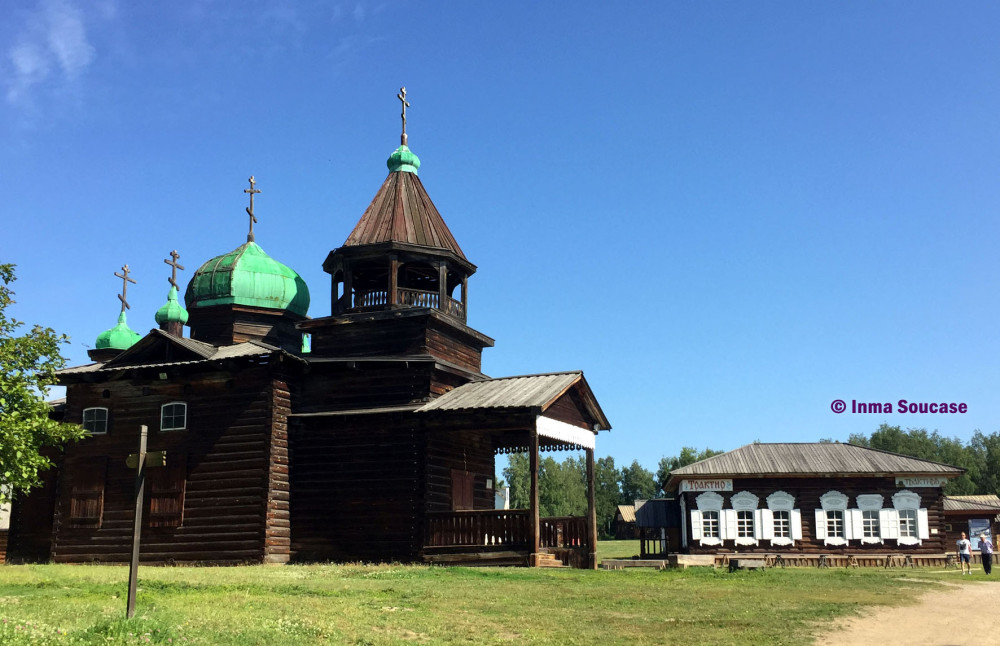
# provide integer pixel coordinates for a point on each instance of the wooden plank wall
(30, 537)
(462, 451)
(410, 335)
(3, 546)
(338, 386)
(227, 452)
(277, 532)
(807, 492)
(358, 484)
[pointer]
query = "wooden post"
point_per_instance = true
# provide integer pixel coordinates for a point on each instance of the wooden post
(533, 467)
(348, 285)
(465, 297)
(591, 513)
(443, 287)
(393, 280)
(140, 477)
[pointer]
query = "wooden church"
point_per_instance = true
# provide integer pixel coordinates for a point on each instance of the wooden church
(378, 443)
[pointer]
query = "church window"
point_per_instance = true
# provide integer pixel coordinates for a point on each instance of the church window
(86, 503)
(166, 492)
(95, 420)
(173, 416)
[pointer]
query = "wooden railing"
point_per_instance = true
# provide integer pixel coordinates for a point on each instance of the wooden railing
(487, 527)
(508, 527)
(564, 531)
(412, 298)
(417, 298)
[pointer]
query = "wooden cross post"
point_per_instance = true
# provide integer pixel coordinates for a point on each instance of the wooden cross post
(125, 281)
(174, 266)
(402, 98)
(139, 462)
(253, 218)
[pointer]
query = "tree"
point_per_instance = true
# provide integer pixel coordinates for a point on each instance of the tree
(27, 367)
(607, 494)
(638, 483)
(689, 455)
(918, 443)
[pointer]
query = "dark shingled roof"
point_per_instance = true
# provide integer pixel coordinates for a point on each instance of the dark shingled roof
(811, 458)
(403, 212)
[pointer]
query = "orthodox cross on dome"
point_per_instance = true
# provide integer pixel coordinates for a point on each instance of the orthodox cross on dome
(253, 218)
(402, 98)
(125, 281)
(173, 267)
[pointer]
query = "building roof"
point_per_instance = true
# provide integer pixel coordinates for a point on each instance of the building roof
(247, 276)
(402, 212)
(193, 352)
(820, 458)
(627, 512)
(527, 391)
(987, 502)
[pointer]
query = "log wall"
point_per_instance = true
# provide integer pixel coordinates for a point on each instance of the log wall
(807, 492)
(227, 460)
(358, 483)
(465, 451)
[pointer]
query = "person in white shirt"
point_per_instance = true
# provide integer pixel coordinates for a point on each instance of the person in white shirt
(965, 554)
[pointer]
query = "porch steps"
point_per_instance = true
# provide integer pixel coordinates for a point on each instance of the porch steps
(544, 559)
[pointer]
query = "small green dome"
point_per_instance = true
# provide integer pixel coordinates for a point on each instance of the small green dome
(120, 337)
(247, 276)
(404, 160)
(173, 311)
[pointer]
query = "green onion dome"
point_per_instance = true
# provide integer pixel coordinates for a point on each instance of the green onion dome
(173, 311)
(404, 160)
(247, 276)
(120, 337)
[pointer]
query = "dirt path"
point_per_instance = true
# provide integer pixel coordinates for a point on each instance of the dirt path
(965, 613)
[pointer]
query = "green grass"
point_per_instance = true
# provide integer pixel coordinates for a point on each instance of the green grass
(617, 549)
(393, 604)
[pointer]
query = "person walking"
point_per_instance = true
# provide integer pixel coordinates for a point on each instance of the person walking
(986, 552)
(965, 554)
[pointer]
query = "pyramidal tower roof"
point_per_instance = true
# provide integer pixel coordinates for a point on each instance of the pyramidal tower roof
(401, 211)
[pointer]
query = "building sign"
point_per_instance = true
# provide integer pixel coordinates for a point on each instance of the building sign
(921, 481)
(707, 484)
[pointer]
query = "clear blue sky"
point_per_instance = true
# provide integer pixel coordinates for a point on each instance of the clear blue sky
(727, 214)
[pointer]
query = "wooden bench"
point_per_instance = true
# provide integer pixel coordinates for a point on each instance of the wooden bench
(746, 564)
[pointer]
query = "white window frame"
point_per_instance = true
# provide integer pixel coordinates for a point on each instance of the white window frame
(871, 503)
(744, 501)
(781, 501)
(83, 420)
(163, 409)
(832, 501)
(707, 501)
(906, 500)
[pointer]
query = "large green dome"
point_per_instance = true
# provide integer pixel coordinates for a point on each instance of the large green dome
(247, 276)
(120, 337)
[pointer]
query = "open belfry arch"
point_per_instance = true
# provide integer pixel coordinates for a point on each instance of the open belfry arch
(378, 443)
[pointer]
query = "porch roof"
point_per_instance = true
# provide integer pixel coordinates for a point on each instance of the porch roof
(531, 392)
